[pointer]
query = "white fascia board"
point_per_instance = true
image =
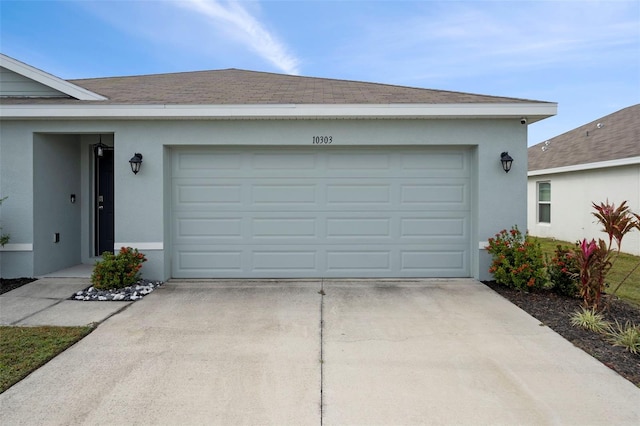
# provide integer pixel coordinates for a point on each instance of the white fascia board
(532, 111)
(49, 80)
(588, 166)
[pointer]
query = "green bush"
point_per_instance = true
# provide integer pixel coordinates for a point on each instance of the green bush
(517, 260)
(117, 271)
(590, 320)
(627, 336)
(564, 272)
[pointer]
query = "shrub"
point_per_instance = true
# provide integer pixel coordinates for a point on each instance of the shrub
(517, 260)
(117, 271)
(589, 319)
(564, 272)
(627, 337)
(594, 263)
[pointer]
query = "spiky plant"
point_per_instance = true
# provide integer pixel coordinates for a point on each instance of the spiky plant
(590, 320)
(627, 336)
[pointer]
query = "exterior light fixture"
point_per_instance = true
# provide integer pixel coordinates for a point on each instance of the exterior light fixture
(506, 161)
(99, 148)
(136, 162)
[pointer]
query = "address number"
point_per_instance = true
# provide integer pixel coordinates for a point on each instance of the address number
(322, 140)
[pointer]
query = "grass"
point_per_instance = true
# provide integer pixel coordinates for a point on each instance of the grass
(24, 349)
(630, 289)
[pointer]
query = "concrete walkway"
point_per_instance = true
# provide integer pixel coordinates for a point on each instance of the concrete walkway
(310, 352)
(45, 302)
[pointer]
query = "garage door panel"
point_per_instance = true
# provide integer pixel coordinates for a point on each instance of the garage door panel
(283, 193)
(284, 228)
(206, 194)
(449, 164)
(361, 261)
(209, 227)
(358, 212)
(437, 259)
(285, 260)
(429, 195)
(207, 262)
(435, 227)
(199, 163)
(358, 160)
(341, 193)
(361, 227)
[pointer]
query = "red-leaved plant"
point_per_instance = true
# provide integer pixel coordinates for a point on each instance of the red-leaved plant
(593, 262)
(596, 259)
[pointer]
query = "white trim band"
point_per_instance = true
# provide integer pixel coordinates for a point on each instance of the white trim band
(533, 111)
(140, 246)
(587, 166)
(17, 247)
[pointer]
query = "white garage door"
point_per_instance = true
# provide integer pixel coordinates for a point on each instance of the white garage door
(320, 212)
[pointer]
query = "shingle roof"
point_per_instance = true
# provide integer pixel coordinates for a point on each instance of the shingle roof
(613, 137)
(240, 87)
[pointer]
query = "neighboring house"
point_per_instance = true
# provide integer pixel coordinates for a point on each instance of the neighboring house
(594, 163)
(252, 174)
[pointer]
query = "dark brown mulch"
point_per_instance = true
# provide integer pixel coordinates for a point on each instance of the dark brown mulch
(554, 311)
(13, 283)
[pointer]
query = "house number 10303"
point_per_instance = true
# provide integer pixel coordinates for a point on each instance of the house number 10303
(322, 140)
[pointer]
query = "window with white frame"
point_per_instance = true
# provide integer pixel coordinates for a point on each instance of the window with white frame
(544, 202)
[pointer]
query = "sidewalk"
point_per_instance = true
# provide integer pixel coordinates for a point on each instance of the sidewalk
(44, 302)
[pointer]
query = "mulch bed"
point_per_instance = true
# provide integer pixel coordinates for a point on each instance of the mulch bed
(11, 284)
(554, 311)
(550, 309)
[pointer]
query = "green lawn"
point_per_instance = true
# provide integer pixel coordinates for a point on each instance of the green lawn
(24, 349)
(629, 291)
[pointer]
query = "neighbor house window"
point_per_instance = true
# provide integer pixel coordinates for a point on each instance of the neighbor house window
(544, 202)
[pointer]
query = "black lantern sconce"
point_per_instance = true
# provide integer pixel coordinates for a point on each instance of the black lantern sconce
(100, 147)
(506, 161)
(136, 162)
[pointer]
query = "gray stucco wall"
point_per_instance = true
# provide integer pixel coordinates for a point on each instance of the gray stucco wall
(56, 169)
(142, 201)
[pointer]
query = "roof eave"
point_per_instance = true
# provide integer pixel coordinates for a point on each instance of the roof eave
(531, 111)
(586, 166)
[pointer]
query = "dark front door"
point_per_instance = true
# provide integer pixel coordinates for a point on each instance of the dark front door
(104, 211)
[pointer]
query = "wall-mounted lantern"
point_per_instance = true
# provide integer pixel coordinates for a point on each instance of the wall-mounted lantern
(99, 148)
(136, 162)
(506, 161)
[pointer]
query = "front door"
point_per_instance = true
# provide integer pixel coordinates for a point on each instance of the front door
(104, 205)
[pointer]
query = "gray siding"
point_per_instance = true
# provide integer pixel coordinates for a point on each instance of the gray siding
(16, 85)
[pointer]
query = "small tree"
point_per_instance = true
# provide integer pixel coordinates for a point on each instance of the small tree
(4, 238)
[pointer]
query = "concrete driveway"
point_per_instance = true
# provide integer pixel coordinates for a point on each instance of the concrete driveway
(368, 352)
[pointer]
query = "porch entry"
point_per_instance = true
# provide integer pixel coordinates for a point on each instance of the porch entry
(104, 202)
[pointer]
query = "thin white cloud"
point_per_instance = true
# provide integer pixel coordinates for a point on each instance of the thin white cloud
(246, 28)
(445, 41)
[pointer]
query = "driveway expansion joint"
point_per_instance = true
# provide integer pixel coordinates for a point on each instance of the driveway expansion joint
(322, 294)
(36, 312)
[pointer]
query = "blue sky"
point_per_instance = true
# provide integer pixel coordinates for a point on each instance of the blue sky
(585, 55)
